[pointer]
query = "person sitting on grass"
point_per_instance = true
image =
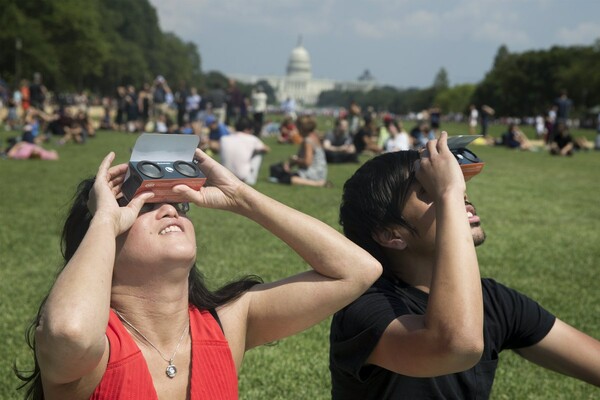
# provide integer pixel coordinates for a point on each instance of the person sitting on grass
(216, 130)
(514, 138)
(365, 140)
(430, 328)
(564, 144)
(129, 315)
(309, 166)
(242, 152)
(338, 144)
(288, 132)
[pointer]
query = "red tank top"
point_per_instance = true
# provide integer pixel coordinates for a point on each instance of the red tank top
(213, 374)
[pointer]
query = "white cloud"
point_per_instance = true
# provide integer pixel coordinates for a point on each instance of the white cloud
(584, 33)
(472, 20)
(458, 29)
(189, 16)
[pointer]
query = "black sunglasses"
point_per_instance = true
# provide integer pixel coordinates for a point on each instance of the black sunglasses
(182, 208)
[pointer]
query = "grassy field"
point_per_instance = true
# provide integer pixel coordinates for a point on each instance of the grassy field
(541, 214)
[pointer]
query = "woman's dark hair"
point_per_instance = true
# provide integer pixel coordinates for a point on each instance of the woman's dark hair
(374, 196)
(75, 227)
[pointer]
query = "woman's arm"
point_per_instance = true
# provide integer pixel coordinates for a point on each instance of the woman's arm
(341, 270)
(74, 318)
(307, 156)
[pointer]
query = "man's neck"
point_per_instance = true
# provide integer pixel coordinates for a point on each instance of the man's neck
(415, 271)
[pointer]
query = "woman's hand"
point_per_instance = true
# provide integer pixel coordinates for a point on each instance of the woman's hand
(102, 201)
(222, 189)
(439, 171)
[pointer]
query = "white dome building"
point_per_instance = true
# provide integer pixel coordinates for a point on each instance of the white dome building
(299, 64)
(298, 82)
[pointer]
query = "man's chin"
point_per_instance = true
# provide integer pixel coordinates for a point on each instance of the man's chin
(478, 235)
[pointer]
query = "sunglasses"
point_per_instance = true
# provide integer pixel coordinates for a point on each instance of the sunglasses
(182, 208)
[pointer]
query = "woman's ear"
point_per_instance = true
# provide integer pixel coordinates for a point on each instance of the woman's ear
(390, 238)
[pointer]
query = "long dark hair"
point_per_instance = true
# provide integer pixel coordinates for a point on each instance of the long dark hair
(374, 197)
(75, 227)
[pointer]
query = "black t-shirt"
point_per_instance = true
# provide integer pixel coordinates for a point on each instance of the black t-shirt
(563, 140)
(511, 321)
(359, 140)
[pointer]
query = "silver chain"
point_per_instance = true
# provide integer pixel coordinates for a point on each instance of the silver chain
(170, 360)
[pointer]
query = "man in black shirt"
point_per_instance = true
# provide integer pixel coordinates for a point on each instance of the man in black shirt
(37, 92)
(422, 331)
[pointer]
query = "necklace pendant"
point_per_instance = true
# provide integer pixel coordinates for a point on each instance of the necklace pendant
(171, 370)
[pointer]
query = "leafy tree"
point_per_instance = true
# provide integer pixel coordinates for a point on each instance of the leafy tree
(215, 79)
(97, 44)
(455, 99)
(441, 81)
(523, 84)
(20, 23)
(501, 55)
(76, 34)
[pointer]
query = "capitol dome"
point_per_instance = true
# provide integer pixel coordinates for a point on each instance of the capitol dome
(299, 63)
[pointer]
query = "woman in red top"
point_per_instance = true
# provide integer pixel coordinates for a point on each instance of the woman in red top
(25, 97)
(129, 315)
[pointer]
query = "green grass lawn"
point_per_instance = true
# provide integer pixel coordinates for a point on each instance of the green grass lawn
(541, 214)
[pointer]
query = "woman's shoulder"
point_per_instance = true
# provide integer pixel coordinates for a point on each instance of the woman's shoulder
(313, 140)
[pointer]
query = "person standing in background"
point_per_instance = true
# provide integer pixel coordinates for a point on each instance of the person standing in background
(473, 119)
(218, 105)
(259, 107)
(563, 106)
(37, 92)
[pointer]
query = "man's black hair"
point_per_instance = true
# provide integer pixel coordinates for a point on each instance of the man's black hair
(374, 196)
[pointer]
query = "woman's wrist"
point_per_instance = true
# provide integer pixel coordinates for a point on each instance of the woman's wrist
(105, 221)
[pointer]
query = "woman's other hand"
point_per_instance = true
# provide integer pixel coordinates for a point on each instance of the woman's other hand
(102, 201)
(222, 189)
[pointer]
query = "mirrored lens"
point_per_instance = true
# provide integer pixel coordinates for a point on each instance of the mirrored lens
(465, 156)
(182, 208)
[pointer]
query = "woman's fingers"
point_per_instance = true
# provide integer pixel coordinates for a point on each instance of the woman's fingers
(188, 193)
(117, 172)
(104, 166)
(442, 142)
(138, 201)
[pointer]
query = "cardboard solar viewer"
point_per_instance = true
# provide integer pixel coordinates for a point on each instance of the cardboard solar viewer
(158, 163)
(470, 164)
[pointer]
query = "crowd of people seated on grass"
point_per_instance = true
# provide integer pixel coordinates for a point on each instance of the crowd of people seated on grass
(41, 117)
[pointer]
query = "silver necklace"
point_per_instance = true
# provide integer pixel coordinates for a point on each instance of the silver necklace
(171, 370)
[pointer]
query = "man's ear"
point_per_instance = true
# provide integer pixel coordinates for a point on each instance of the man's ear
(390, 238)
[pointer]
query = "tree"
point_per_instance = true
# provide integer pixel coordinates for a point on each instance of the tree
(96, 44)
(455, 99)
(77, 37)
(441, 81)
(501, 55)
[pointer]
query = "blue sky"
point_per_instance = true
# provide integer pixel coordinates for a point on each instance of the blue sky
(402, 42)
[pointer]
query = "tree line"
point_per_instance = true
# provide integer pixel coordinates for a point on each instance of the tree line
(93, 44)
(518, 84)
